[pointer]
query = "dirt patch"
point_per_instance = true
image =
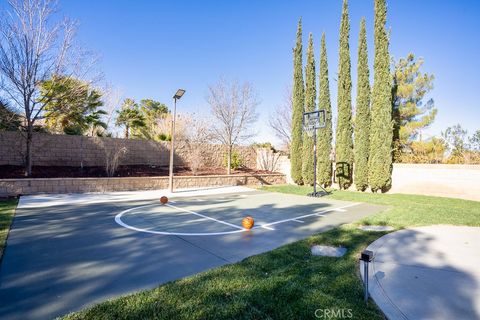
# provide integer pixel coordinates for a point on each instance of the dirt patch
(15, 172)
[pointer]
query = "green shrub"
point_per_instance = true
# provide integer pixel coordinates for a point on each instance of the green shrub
(164, 137)
(266, 145)
(73, 130)
(237, 160)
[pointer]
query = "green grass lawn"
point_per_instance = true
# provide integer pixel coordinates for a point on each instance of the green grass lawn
(405, 209)
(288, 283)
(7, 210)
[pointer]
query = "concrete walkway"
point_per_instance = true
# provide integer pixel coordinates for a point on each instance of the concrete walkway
(427, 273)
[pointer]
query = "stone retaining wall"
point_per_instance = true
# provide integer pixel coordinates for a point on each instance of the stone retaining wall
(65, 150)
(14, 187)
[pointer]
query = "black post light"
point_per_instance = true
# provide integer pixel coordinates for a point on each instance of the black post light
(366, 257)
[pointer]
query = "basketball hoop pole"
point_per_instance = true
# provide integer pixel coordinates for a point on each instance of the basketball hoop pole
(315, 162)
(315, 193)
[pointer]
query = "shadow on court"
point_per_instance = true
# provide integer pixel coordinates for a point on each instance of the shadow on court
(65, 256)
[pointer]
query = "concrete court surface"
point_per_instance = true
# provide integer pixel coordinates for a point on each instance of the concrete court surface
(427, 273)
(65, 252)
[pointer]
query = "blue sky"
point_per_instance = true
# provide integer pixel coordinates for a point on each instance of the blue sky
(150, 48)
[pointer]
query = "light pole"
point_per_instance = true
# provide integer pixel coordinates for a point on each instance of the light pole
(177, 96)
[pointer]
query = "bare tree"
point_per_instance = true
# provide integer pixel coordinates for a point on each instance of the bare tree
(197, 132)
(112, 98)
(233, 106)
(163, 127)
(35, 47)
(113, 156)
(267, 159)
(280, 120)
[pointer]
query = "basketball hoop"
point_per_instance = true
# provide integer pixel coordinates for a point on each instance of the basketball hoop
(312, 121)
(309, 130)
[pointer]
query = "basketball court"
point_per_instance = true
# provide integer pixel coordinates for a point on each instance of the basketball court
(214, 216)
(65, 252)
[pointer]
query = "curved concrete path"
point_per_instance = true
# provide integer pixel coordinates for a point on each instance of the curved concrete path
(427, 273)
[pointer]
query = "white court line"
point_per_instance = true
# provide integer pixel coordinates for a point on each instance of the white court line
(299, 221)
(340, 210)
(49, 200)
(265, 227)
(195, 220)
(203, 216)
(305, 216)
(118, 220)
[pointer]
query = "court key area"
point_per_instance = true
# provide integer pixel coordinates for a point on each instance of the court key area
(66, 252)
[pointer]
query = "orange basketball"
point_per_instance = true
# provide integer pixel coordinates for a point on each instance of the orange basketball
(163, 200)
(248, 222)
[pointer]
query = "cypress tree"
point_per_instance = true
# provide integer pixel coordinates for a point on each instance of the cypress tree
(381, 126)
(324, 141)
(344, 143)
(362, 115)
(297, 114)
(310, 105)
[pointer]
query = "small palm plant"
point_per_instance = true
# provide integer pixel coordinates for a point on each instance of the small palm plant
(94, 122)
(130, 117)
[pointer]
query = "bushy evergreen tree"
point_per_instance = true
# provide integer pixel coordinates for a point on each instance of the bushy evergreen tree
(72, 106)
(9, 120)
(310, 105)
(362, 114)
(344, 143)
(324, 141)
(411, 114)
(381, 125)
(297, 114)
(153, 112)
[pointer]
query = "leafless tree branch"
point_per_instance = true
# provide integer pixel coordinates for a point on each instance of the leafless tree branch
(35, 47)
(197, 133)
(233, 106)
(280, 120)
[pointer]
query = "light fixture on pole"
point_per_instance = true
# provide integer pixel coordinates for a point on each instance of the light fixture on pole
(366, 257)
(177, 96)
